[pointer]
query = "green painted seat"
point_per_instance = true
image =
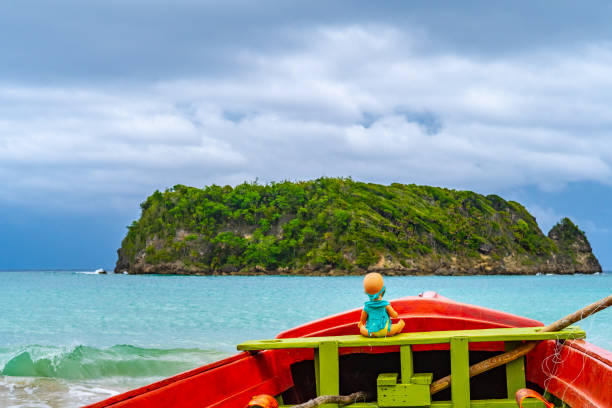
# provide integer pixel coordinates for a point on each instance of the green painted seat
(409, 389)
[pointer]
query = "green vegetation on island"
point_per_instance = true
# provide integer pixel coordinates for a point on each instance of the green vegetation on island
(340, 226)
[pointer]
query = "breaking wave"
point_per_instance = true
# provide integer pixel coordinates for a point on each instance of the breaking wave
(84, 362)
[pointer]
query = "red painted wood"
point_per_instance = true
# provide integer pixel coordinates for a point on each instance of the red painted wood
(233, 381)
(577, 372)
(127, 395)
(265, 372)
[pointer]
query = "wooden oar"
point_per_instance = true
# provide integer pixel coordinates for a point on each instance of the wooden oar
(335, 399)
(520, 351)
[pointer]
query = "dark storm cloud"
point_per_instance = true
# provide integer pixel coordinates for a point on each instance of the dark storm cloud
(76, 41)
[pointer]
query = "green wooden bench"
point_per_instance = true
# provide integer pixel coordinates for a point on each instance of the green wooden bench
(412, 389)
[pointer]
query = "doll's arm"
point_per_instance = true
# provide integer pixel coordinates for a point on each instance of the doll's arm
(364, 318)
(392, 313)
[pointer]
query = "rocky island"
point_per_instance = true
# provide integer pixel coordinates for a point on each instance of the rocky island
(335, 226)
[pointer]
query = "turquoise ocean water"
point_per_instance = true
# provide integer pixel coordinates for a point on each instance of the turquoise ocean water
(68, 338)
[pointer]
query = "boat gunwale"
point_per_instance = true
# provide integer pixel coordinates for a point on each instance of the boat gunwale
(591, 350)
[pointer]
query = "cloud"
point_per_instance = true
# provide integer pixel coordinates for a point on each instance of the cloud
(138, 41)
(350, 100)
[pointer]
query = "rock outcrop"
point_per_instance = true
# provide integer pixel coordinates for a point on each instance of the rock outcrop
(575, 252)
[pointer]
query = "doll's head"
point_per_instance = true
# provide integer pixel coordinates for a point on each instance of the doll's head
(374, 286)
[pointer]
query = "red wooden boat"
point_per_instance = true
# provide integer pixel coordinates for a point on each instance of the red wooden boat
(570, 372)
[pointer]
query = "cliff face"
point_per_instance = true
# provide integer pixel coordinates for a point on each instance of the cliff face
(574, 248)
(338, 226)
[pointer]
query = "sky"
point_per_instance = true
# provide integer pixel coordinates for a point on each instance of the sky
(104, 102)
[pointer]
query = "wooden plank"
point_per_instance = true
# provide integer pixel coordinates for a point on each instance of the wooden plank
(504, 334)
(492, 403)
(406, 364)
(329, 371)
(515, 371)
(460, 372)
(357, 405)
(497, 403)
(317, 370)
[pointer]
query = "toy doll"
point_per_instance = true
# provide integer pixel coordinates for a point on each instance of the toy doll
(377, 313)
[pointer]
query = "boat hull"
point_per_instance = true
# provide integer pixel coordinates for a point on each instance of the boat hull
(576, 372)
